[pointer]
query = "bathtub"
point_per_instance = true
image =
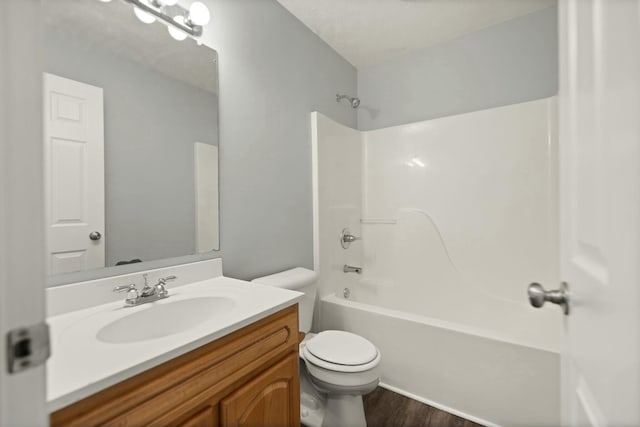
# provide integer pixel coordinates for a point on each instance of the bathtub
(467, 371)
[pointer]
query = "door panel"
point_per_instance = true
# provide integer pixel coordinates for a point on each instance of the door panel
(600, 209)
(74, 174)
(22, 264)
(269, 400)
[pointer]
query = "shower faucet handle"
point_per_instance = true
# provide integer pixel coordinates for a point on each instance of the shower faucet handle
(349, 238)
(346, 238)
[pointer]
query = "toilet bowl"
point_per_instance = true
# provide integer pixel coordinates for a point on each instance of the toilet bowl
(336, 367)
(341, 362)
(343, 366)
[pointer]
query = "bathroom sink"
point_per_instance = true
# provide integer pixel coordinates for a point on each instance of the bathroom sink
(163, 319)
(101, 345)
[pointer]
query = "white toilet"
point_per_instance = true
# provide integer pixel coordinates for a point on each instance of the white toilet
(336, 368)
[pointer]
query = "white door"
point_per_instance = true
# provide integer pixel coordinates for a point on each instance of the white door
(600, 210)
(22, 266)
(74, 175)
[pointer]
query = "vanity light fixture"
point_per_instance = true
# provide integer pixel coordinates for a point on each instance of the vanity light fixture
(175, 32)
(181, 24)
(143, 16)
(198, 14)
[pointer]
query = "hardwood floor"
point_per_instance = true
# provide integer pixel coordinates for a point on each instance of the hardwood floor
(384, 408)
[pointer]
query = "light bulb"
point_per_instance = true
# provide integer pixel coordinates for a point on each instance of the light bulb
(175, 32)
(199, 13)
(143, 16)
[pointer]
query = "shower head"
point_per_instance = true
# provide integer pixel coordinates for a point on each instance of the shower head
(353, 101)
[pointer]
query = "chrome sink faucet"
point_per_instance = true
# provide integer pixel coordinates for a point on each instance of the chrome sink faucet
(147, 290)
(147, 294)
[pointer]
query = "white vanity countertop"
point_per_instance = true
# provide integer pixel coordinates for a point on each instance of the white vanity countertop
(81, 364)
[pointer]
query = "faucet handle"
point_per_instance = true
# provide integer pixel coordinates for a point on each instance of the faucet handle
(132, 294)
(123, 288)
(346, 238)
(164, 280)
(160, 289)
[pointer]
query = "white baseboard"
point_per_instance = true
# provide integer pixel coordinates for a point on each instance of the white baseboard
(439, 406)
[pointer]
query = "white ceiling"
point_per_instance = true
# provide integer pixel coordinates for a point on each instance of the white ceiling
(367, 32)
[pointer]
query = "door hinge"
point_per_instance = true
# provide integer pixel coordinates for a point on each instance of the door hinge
(27, 347)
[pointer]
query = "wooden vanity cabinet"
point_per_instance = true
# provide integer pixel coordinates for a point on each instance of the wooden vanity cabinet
(248, 378)
(205, 418)
(267, 400)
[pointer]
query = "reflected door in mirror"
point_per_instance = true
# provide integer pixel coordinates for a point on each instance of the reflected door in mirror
(74, 174)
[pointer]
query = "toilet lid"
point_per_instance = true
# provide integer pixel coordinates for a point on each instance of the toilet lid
(342, 348)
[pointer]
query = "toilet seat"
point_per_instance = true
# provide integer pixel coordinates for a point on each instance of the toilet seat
(341, 351)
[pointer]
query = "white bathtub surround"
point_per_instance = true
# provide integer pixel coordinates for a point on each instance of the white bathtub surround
(457, 216)
(474, 197)
(89, 354)
(337, 176)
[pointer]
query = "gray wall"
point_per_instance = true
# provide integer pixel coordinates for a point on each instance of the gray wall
(511, 62)
(273, 73)
(149, 151)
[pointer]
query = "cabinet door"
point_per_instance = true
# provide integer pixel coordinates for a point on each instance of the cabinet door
(272, 399)
(207, 417)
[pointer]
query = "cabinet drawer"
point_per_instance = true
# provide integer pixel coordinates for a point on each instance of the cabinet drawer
(188, 381)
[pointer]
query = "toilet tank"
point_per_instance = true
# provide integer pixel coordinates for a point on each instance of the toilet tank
(301, 280)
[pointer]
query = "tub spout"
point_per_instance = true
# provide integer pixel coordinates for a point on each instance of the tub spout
(351, 269)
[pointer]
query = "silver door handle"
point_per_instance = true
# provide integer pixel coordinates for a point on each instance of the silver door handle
(95, 235)
(538, 296)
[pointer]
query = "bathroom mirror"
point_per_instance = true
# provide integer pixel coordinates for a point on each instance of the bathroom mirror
(131, 142)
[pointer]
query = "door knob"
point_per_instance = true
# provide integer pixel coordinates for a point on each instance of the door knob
(95, 235)
(538, 296)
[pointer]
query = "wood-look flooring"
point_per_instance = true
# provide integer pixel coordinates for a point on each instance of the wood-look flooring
(384, 408)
